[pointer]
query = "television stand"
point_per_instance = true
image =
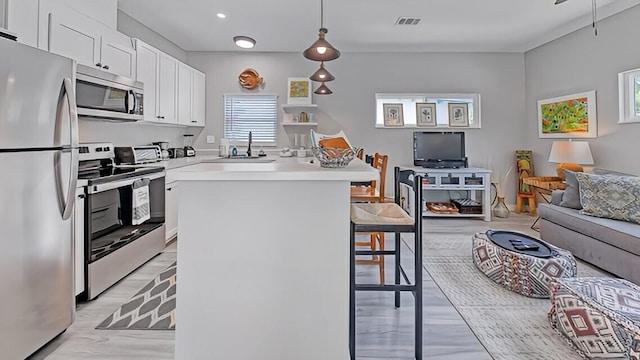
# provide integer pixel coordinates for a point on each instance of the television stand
(471, 179)
(446, 163)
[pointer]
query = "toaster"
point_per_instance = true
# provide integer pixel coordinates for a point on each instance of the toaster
(135, 155)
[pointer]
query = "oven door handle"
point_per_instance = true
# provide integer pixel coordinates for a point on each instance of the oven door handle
(93, 189)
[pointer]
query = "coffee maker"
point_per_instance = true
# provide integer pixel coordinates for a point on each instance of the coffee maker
(188, 145)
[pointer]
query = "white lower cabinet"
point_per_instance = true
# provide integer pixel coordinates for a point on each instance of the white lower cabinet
(171, 210)
(78, 240)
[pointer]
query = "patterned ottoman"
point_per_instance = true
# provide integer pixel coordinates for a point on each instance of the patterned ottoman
(599, 317)
(525, 272)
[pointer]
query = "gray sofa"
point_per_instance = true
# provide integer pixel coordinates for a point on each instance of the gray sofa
(612, 245)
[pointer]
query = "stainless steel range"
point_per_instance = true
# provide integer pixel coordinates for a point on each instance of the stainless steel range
(123, 217)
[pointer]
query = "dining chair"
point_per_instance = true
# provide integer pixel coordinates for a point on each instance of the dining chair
(372, 192)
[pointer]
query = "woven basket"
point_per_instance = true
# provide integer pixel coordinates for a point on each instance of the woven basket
(333, 157)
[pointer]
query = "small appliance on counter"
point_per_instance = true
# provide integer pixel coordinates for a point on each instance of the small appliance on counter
(175, 153)
(135, 155)
(188, 145)
(164, 148)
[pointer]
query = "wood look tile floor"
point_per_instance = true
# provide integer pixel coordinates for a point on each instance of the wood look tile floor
(383, 332)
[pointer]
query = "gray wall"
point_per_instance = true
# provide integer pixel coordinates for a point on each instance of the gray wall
(133, 28)
(580, 62)
(499, 78)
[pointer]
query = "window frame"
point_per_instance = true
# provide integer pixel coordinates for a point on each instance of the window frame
(245, 141)
(409, 101)
(628, 105)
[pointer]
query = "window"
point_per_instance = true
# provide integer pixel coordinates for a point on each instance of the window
(442, 101)
(255, 113)
(629, 96)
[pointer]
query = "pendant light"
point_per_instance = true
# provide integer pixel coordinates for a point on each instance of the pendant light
(323, 90)
(322, 75)
(321, 50)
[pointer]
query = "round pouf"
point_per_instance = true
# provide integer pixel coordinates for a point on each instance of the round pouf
(527, 271)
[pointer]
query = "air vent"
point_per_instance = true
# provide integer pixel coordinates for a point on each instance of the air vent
(403, 20)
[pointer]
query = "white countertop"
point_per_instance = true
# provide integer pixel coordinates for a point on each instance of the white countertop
(281, 169)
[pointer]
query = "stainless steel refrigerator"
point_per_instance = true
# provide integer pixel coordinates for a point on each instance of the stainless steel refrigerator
(38, 174)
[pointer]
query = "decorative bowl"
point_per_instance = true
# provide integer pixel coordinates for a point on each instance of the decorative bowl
(333, 157)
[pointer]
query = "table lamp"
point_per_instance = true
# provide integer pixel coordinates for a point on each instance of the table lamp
(570, 155)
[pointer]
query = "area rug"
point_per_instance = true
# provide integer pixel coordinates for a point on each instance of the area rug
(510, 326)
(153, 307)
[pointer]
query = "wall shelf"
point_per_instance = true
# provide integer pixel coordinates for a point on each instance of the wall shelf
(299, 124)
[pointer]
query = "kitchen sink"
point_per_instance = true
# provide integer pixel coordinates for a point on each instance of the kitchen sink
(241, 159)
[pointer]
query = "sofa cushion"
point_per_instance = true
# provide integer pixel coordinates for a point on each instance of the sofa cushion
(610, 196)
(571, 196)
(621, 234)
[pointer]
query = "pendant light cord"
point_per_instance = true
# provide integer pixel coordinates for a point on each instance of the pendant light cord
(593, 17)
(322, 14)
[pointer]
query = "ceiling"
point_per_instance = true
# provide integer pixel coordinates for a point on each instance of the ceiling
(369, 25)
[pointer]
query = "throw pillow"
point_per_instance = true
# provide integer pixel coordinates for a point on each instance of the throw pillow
(571, 195)
(610, 196)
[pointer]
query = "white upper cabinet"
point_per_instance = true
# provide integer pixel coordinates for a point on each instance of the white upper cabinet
(117, 54)
(191, 96)
(70, 33)
(167, 89)
(147, 67)
(185, 93)
(22, 20)
(199, 98)
(173, 91)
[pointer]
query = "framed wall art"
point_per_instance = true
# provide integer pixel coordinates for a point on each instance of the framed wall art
(426, 114)
(393, 114)
(299, 91)
(458, 114)
(570, 116)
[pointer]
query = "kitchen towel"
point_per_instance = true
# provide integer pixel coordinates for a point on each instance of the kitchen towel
(140, 202)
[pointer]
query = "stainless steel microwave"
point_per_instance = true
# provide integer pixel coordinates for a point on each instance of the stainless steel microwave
(103, 95)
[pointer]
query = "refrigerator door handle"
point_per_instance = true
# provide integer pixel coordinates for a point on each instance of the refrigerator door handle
(67, 205)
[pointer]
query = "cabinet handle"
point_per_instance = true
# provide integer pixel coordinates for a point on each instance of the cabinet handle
(99, 64)
(193, 121)
(161, 117)
(169, 189)
(81, 196)
(106, 67)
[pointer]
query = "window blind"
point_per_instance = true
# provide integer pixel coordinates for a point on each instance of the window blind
(255, 113)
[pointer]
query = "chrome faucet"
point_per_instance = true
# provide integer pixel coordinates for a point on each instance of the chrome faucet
(249, 148)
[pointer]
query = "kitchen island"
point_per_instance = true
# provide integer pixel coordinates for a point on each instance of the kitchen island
(263, 260)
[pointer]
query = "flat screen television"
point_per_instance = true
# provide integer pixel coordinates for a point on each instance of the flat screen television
(439, 149)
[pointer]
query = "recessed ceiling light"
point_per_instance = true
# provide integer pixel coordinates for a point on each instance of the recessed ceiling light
(244, 42)
(221, 15)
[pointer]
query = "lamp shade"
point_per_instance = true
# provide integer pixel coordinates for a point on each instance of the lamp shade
(577, 152)
(322, 75)
(321, 50)
(569, 154)
(323, 90)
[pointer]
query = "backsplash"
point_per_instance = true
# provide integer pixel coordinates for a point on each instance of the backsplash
(134, 133)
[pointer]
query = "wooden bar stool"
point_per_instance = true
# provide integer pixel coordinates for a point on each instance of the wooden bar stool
(389, 217)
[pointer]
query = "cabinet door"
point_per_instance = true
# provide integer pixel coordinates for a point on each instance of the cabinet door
(74, 35)
(171, 210)
(167, 88)
(147, 59)
(185, 76)
(116, 54)
(199, 99)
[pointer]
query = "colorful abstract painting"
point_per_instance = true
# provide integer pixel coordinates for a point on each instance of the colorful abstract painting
(571, 116)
